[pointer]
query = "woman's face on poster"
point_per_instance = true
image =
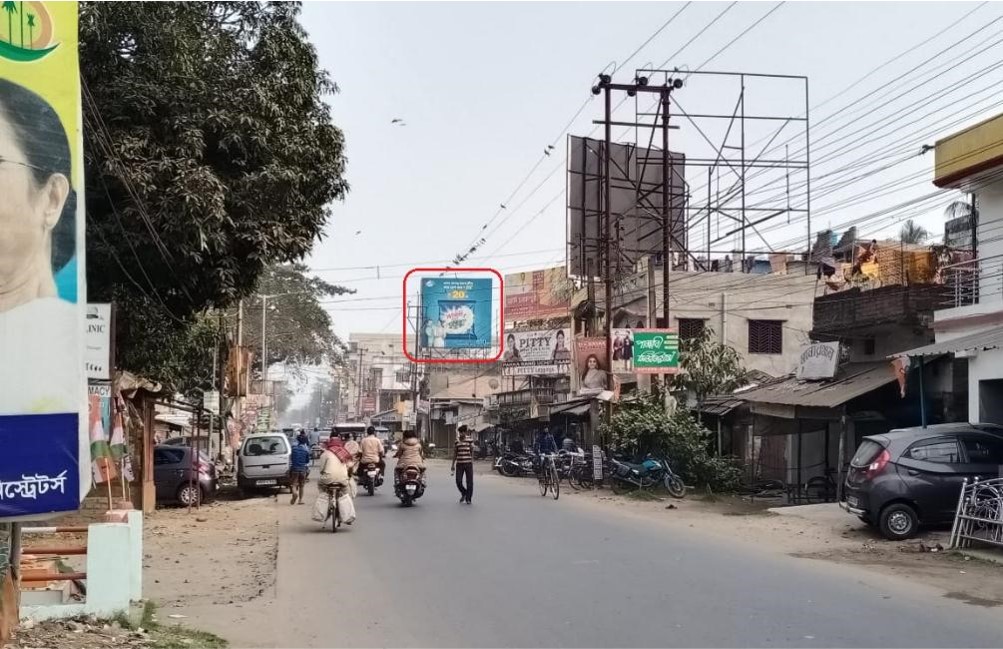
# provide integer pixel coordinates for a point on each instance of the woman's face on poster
(28, 212)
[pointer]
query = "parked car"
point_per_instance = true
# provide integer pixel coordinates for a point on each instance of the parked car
(910, 477)
(263, 462)
(173, 475)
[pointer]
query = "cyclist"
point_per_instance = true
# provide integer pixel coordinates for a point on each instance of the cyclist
(544, 445)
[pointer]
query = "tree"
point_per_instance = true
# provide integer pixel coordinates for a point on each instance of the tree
(210, 155)
(10, 7)
(958, 209)
(642, 426)
(913, 232)
(299, 329)
(708, 367)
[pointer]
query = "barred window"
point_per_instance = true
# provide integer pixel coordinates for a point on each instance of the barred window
(766, 337)
(690, 328)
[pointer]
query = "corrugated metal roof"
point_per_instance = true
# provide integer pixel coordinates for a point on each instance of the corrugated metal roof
(983, 340)
(852, 380)
(719, 406)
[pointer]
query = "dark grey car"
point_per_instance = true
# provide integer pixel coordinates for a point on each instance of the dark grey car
(179, 481)
(909, 477)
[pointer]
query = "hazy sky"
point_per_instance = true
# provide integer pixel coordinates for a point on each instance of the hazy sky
(483, 87)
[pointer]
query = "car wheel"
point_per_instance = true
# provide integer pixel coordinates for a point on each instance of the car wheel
(898, 521)
(190, 494)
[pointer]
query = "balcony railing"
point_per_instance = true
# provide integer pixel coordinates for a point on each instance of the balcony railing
(973, 282)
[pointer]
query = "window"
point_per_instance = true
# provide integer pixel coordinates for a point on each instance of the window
(766, 337)
(983, 449)
(690, 328)
(941, 452)
(869, 347)
(271, 445)
(163, 456)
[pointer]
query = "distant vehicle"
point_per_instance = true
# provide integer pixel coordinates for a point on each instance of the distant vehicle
(263, 462)
(910, 477)
(356, 428)
(173, 475)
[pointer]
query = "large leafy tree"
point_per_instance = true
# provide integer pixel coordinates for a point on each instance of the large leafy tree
(708, 367)
(298, 327)
(210, 155)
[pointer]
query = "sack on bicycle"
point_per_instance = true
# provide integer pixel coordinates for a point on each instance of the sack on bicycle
(319, 510)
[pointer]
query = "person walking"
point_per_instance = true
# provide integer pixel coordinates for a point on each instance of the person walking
(299, 468)
(463, 465)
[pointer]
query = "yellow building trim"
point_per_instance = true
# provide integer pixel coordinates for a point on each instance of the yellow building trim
(967, 153)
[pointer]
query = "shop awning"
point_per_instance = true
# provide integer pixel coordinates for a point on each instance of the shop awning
(981, 341)
(852, 380)
(577, 408)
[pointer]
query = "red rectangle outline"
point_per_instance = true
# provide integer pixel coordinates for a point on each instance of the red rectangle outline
(501, 316)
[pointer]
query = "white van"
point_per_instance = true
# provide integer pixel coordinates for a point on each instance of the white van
(263, 462)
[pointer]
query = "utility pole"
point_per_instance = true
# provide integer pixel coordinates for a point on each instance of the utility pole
(264, 341)
(666, 205)
(607, 223)
(358, 385)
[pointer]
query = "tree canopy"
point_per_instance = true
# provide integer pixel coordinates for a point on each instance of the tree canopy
(708, 367)
(210, 154)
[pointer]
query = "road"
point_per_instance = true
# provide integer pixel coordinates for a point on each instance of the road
(518, 570)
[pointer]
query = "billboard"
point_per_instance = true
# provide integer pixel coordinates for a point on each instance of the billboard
(656, 351)
(538, 294)
(456, 313)
(537, 353)
(44, 467)
(635, 203)
(590, 365)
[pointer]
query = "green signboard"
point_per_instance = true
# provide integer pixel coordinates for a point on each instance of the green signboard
(656, 351)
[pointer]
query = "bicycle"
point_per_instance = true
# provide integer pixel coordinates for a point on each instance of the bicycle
(333, 511)
(548, 477)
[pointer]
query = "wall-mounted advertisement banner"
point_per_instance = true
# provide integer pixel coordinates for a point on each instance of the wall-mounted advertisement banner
(457, 312)
(43, 391)
(537, 353)
(656, 351)
(590, 365)
(538, 294)
(623, 351)
(97, 351)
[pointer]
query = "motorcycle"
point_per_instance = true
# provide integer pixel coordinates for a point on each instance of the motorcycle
(649, 473)
(513, 465)
(370, 477)
(409, 485)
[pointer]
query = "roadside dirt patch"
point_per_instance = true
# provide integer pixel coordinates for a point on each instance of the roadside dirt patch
(223, 553)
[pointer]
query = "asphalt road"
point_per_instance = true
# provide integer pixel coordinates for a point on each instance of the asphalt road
(518, 570)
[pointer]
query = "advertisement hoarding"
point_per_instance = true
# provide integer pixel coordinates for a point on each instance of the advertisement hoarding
(818, 361)
(537, 353)
(538, 294)
(656, 351)
(456, 313)
(590, 365)
(44, 468)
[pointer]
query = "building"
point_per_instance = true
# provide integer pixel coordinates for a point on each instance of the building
(766, 318)
(970, 324)
(378, 377)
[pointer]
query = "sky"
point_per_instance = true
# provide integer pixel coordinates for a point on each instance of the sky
(483, 88)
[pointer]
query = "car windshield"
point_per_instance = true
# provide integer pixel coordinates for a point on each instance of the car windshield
(866, 452)
(270, 445)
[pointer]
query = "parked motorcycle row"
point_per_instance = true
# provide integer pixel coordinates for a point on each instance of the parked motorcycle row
(579, 469)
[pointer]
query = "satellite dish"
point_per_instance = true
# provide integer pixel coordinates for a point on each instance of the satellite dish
(493, 383)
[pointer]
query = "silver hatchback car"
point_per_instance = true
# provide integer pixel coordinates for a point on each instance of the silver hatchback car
(263, 462)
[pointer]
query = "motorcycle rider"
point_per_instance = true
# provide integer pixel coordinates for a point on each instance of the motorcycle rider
(372, 450)
(409, 453)
(352, 447)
